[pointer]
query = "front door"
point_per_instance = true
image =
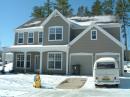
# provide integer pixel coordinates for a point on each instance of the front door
(37, 63)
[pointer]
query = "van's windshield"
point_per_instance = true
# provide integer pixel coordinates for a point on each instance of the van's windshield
(105, 65)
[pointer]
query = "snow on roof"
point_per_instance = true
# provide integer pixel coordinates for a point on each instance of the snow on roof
(85, 21)
(33, 23)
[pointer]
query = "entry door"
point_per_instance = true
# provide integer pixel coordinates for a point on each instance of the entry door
(37, 63)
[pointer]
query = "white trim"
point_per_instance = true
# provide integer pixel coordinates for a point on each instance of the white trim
(55, 33)
(92, 34)
(54, 59)
(53, 14)
(101, 30)
(30, 61)
(122, 62)
(18, 37)
(81, 54)
(39, 28)
(42, 37)
(29, 37)
(20, 60)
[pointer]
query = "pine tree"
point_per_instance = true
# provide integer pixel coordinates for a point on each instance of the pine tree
(64, 7)
(108, 7)
(81, 11)
(48, 7)
(97, 8)
(87, 12)
(38, 12)
(122, 10)
(43, 11)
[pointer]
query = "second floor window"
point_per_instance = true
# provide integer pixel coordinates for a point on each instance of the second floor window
(40, 39)
(20, 38)
(94, 35)
(30, 37)
(55, 33)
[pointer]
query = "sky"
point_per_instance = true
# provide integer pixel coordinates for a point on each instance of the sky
(14, 13)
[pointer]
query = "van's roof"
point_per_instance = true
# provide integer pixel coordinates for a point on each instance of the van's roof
(106, 59)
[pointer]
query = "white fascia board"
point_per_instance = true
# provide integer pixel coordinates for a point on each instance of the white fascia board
(40, 28)
(39, 48)
(53, 14)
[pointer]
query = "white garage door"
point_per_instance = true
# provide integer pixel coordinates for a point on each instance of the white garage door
(84, 60)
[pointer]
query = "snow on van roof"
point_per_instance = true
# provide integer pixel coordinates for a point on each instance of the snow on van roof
(106, 59)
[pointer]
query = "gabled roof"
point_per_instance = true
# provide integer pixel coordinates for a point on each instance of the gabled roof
(34, 22)
(55, 13)
(100, 29)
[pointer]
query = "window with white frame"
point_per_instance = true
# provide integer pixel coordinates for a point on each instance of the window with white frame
(40, 37)
(30, 37)
(20, 38)
(28, 61)
(55, 33)
(55, 60)
(20, 60)
(93, 34)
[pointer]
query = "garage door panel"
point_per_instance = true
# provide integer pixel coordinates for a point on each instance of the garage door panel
(85, 62)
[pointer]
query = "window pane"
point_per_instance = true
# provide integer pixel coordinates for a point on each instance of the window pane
(94, 35)
(58, 57)
(30, 35)
(58, 64)
(30, 40)
(20, 40)
(22, 63)
(52, 30)
(58, 30)
(18, 63)
(20, 35)
(51, 57)
(58, 36)
(40, 37)
(51, 64)
(52, 37)
(28, 64)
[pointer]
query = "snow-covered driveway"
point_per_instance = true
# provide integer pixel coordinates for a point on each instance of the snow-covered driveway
(20, 85)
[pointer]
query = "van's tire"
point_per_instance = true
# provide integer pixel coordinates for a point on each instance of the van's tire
(116, 85)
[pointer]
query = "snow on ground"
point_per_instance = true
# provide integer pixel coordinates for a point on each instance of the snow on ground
(13, 85)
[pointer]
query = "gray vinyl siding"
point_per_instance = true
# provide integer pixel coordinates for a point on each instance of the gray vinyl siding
(35, 39)
(102, 44)
(114, 31)
(46, 71)
(57, 21)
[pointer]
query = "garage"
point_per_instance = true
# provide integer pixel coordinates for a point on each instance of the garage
(85, 60)
(114, 55)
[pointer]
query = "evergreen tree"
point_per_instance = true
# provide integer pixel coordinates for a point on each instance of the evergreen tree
(38, 12)
(64, 7)
(81, 11)
(87, 12)
(43, 11)
(48, 7)
(97, 8)
(108, 7)
(122, 10)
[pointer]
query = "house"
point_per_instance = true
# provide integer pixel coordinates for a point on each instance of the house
(56, 43)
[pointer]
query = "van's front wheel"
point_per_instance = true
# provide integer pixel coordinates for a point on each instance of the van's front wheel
(116, 85)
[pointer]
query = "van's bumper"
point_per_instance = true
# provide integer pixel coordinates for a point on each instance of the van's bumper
(107, 82)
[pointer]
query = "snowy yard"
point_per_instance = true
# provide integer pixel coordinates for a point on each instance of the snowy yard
(20, 85)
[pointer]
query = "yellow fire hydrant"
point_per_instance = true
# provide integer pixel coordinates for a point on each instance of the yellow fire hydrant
(37, 81)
